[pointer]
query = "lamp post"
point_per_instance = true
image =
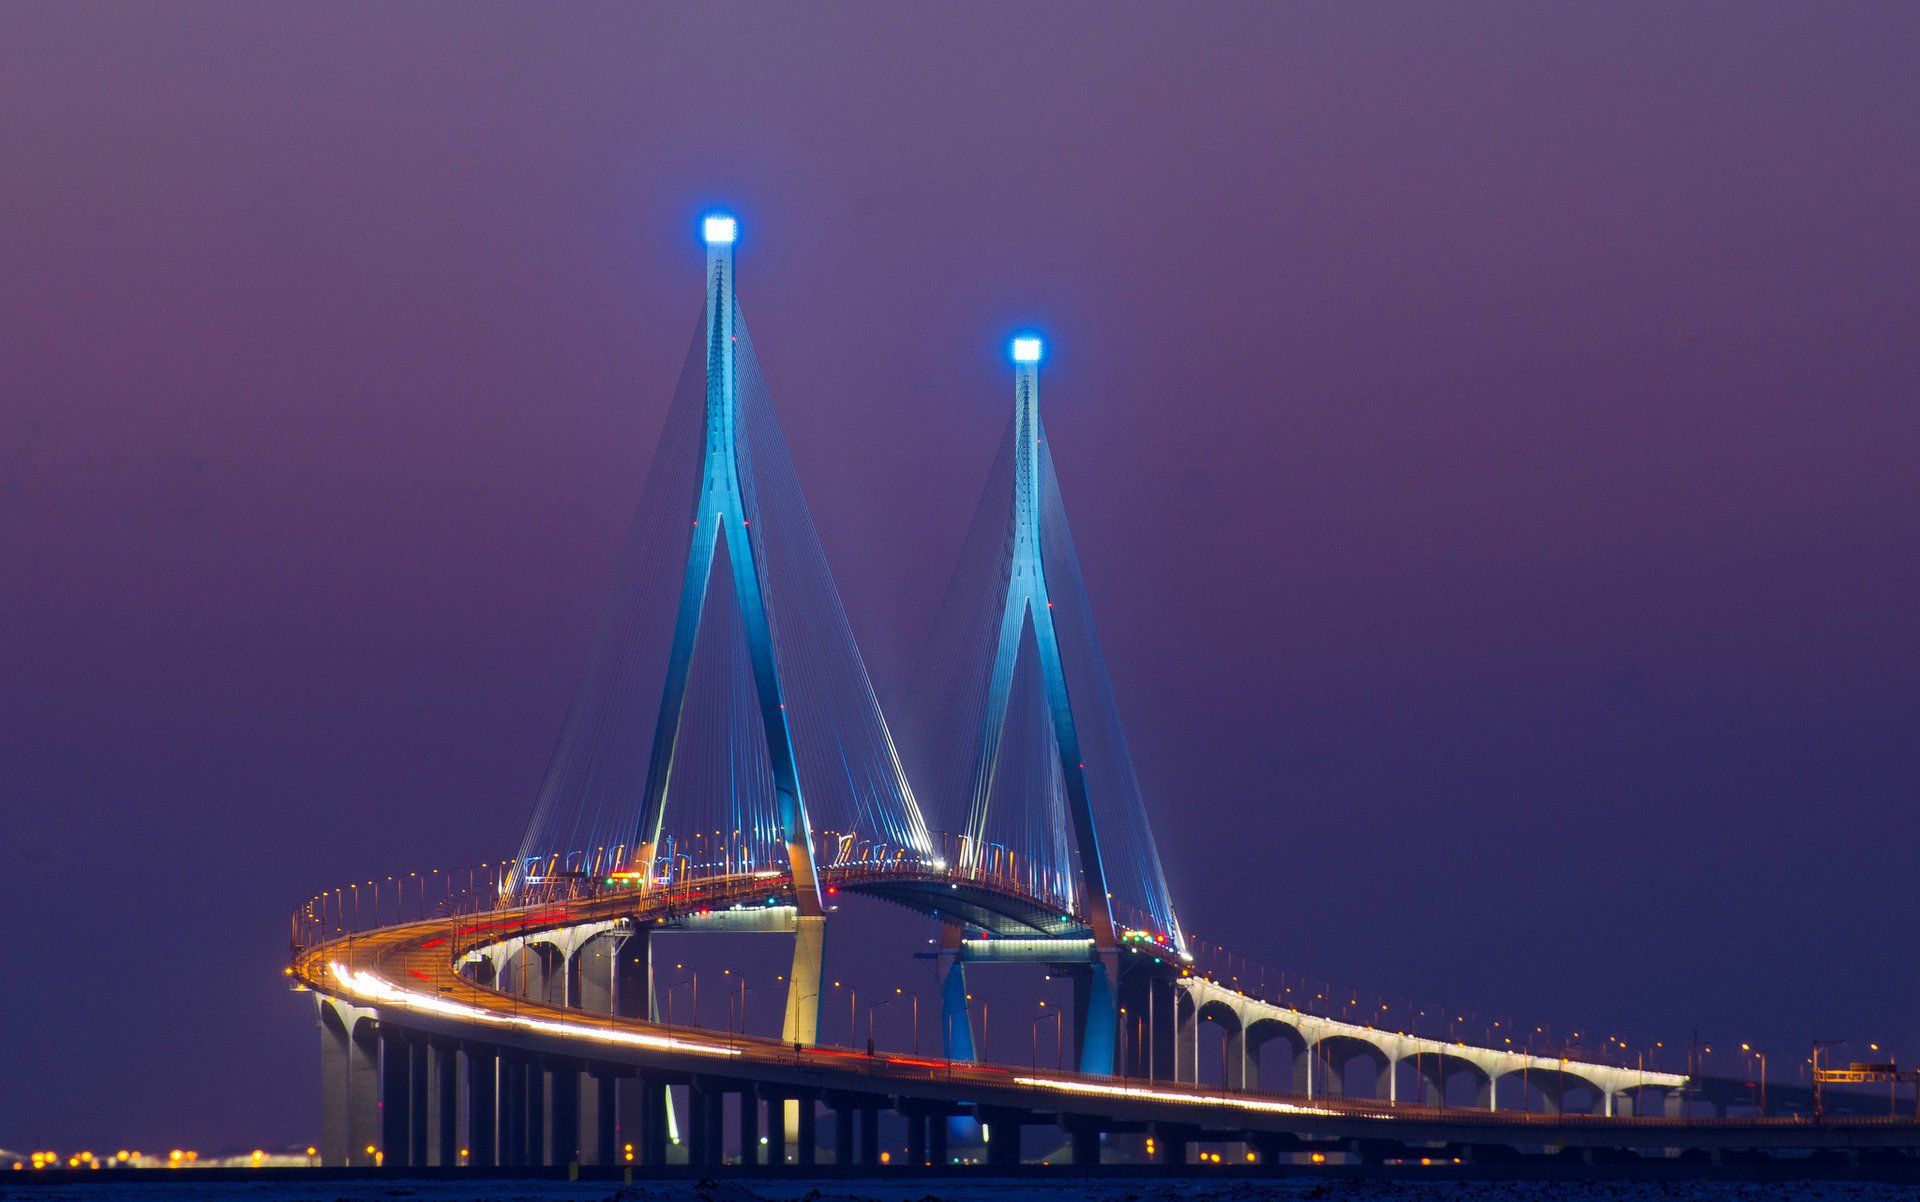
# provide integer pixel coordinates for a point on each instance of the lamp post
(1762, 1082)
(915, 999)
(692, 977)
(853, 1004)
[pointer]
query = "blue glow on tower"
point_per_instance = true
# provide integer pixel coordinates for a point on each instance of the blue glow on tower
(1027, 348)
(719, 229)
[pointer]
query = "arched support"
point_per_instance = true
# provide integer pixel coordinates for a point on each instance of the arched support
(1259, 1033)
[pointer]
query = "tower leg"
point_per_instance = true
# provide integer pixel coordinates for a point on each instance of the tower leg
(1095, 1015)
(802, 1024)
(956, 1016)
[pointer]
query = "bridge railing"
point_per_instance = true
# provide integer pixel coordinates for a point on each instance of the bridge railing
(476, 890)
(1384, 1012)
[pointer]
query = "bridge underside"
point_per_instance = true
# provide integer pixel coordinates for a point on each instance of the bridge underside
(976, 907)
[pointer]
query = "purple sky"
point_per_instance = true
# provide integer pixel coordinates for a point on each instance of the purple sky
(1489, 432)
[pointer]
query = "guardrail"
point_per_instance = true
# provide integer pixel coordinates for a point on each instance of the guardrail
(478, 890)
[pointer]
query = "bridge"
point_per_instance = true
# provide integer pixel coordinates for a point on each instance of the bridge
(725, 767)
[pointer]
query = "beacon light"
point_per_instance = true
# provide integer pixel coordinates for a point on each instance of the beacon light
(1026, 349)
(719, 229)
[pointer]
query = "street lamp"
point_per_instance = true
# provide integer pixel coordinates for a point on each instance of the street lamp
(694, 977)
(1762, 1083)
(1058, 1055)
(853, 1004)
(915, 999)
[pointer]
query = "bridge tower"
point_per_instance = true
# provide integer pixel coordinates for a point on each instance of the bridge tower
(1044, 780)
(721, 520)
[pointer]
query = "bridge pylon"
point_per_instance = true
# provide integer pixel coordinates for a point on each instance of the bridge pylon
(1039, 779)
(725, 727)
(721, 525)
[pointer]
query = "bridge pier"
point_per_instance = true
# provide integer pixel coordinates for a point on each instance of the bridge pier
(604, 1119)
(937, 1139)
(1170, 1142)
(843, 1132)
(706, 1122)
(916, 1136)
(483, 1070)
(418, 1101)
(1003, 1135)
(350, 1084)
(747, 1118)
(563, 1105)
(1084, 1133)
(395, 1108)
(443, 1115)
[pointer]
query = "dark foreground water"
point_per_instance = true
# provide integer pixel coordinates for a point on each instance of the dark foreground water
(120, 1187)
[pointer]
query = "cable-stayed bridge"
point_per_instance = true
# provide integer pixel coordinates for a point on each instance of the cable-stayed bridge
(725, 767)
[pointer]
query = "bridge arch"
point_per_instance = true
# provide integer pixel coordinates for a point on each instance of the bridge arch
(1538, 1089)
(1276, 1056)
(1334, 1055)
(1449, 1079)
(1225, 1056)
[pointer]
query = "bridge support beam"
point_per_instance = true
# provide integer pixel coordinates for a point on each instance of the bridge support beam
(336, 1083)
(843, 1133)
(513, 1109)
(706, 1122)
(643, 1118)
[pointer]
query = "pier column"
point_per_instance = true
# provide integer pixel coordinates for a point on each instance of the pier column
(807, 1131)
(336, 1084)
(748, 1114)
(396, 1106)
(843, 1133)
(563, 1127)
(419, 1103)
(443, 1114)
(482, 1105)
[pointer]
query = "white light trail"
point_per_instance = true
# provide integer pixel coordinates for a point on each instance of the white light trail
(384, 992)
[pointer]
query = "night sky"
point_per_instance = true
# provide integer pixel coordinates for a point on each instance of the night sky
(1489, 431)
